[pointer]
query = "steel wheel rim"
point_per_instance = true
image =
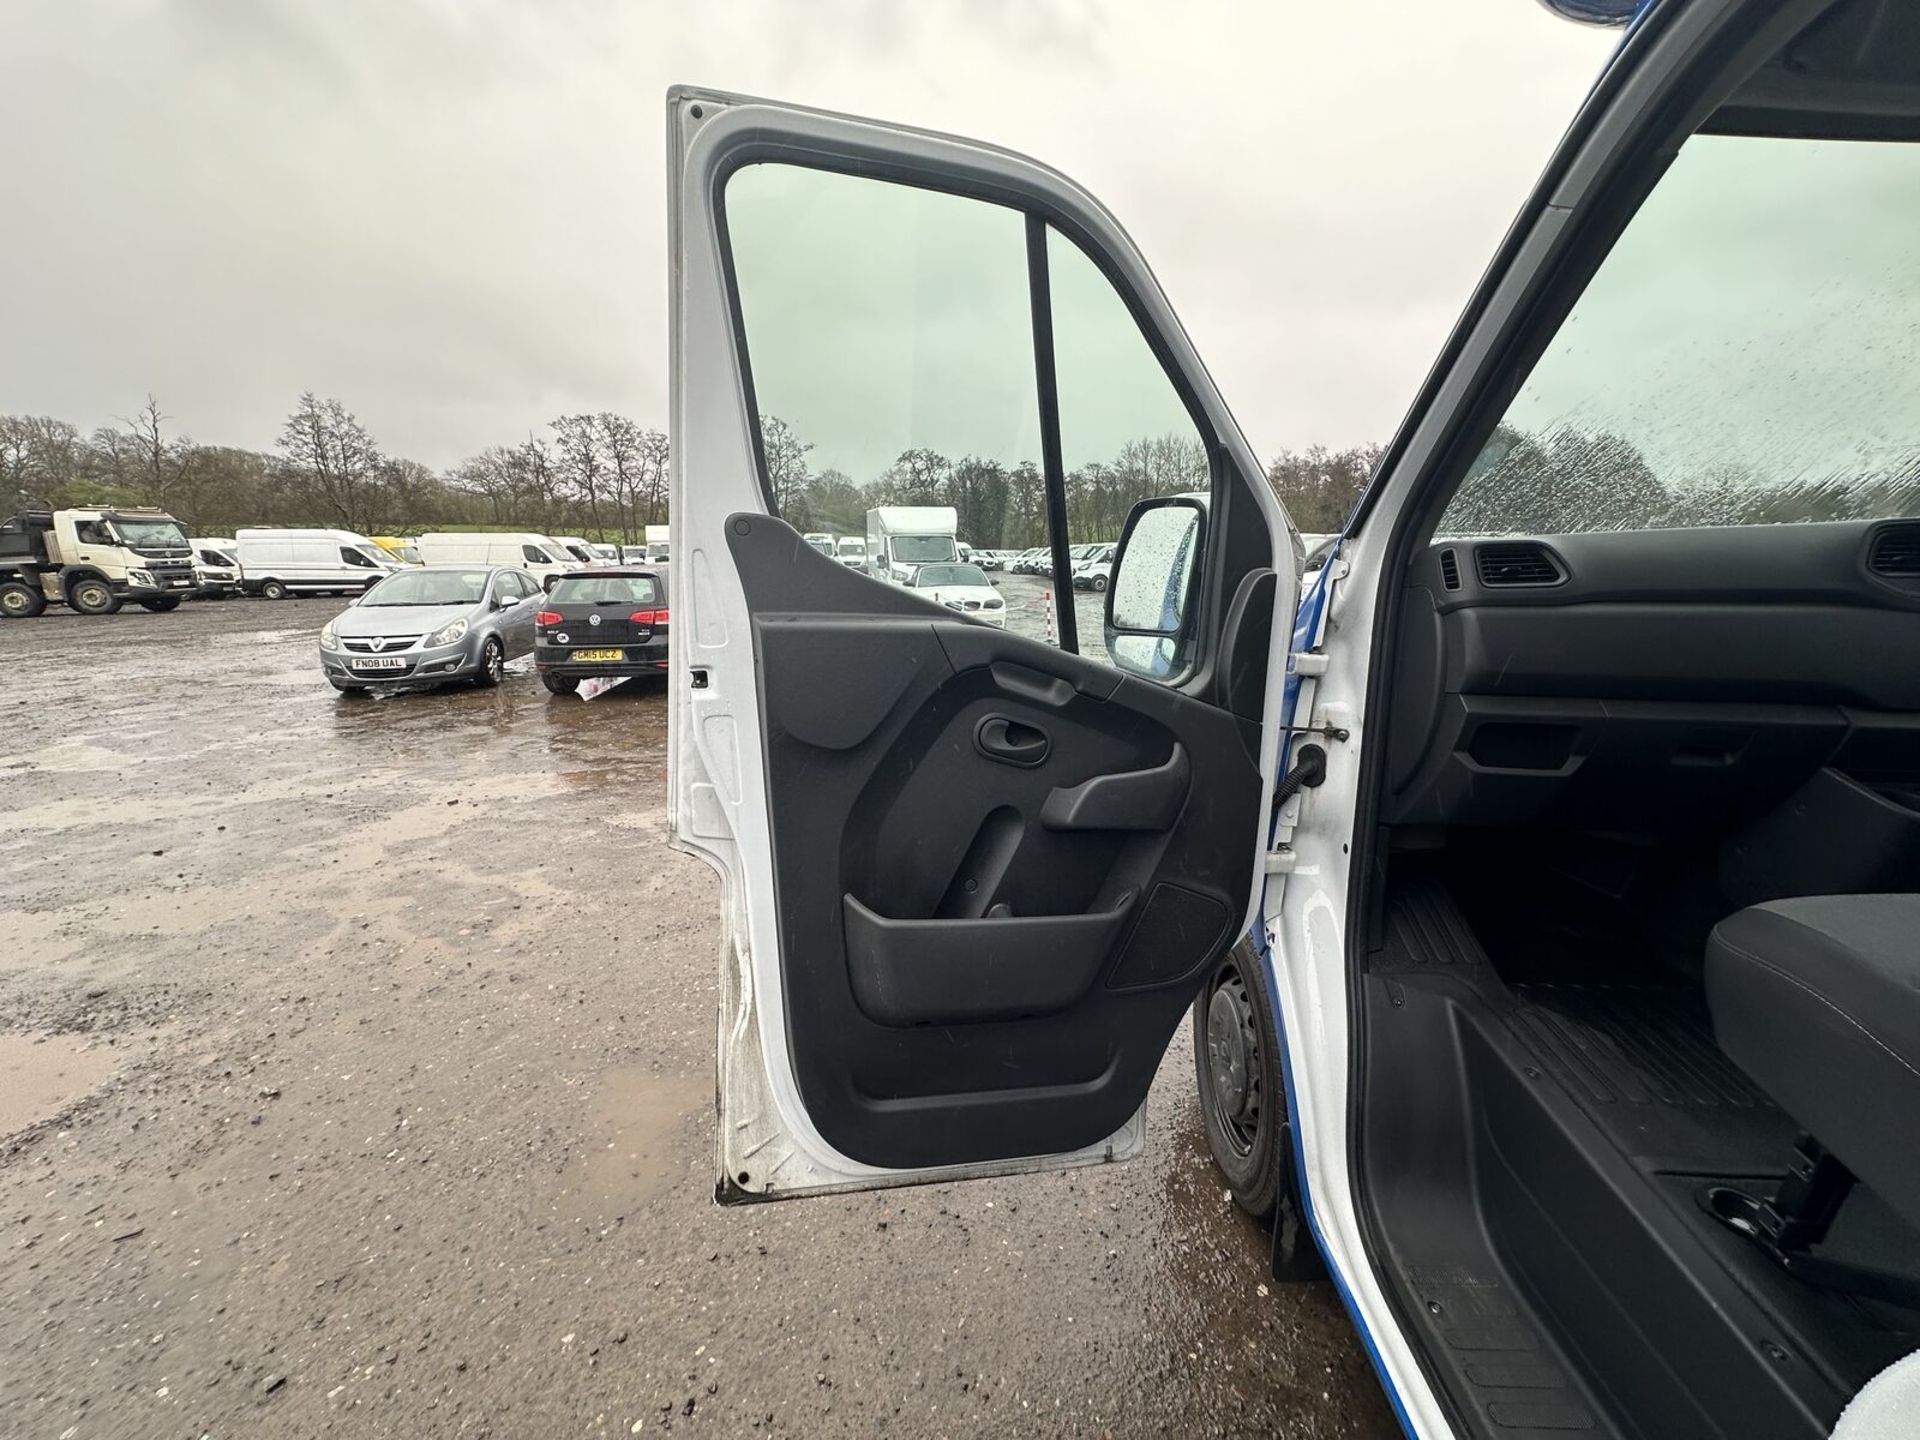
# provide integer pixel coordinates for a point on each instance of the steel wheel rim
(1235, 1064)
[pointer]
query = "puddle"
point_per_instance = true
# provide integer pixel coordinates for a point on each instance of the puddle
(40, 1075)
(637, 1150)
(68, 757)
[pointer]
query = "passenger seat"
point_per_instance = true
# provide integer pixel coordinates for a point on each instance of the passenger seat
(1818, 1000)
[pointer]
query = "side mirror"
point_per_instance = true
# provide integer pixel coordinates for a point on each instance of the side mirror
(1150, 610)
(549, 582)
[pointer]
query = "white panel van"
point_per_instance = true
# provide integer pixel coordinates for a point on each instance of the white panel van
(279, 563)
(539, 555)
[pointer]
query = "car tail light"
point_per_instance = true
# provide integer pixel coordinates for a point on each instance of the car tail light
(648, 617)
(548, 617)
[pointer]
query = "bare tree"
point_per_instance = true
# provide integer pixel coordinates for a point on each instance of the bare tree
(787, 472)
(582, 460)
(159, 466)
(41, 459)
(637, 458)
(330, 454)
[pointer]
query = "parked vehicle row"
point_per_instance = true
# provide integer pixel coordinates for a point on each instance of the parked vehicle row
(441, 623)
(97, 559)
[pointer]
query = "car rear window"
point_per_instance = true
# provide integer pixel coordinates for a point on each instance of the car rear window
(606, 590)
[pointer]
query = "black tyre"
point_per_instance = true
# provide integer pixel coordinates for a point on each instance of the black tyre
(273, 590)
(1099, 582)
(493, 664)
(161, 605)
(91, 595)
(1243, 1095)
(560, 684)
(20, 601)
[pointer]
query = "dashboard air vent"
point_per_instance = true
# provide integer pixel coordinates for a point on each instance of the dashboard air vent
(1896, 552)
(1449, 570)
(1516, 565)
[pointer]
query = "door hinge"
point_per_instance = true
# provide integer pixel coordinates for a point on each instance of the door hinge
(1280, 860)
(1307, 662)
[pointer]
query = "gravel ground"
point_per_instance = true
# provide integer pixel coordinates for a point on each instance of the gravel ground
(357, 1068)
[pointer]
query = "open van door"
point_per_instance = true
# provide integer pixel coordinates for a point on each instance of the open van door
(972, 879)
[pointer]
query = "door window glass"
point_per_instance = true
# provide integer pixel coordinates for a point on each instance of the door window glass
(890, 336)
(1748, 353)
(535, 554)
(1125, 433)
(891, 343)
(356, 558)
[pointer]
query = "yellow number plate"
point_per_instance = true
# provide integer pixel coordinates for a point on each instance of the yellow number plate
(599, 655)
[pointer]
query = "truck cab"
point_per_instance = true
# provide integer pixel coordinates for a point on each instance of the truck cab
(94, 560)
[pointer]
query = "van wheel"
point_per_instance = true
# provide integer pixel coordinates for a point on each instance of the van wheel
(1099, 582)
(493, 664)
(561, 684)
(1243, 1097)
(273, 590)
(20, 601)
(162, 605)
(92, 596)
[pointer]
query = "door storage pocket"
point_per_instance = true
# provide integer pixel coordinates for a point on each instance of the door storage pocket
(949, 972)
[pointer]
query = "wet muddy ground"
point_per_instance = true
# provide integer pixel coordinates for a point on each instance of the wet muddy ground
(355, 1080)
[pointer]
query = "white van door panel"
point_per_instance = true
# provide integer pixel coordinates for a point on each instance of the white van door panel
(874, 1030)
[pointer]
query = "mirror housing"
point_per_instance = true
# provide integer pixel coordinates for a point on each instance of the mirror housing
(549, 582)
(1151, 615)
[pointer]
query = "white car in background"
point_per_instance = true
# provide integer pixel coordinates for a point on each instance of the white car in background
(962, 587)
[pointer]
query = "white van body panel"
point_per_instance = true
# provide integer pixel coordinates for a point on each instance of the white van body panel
(518, 549)
(311, 560)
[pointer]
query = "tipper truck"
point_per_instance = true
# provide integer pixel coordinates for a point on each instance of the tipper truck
(94, 560)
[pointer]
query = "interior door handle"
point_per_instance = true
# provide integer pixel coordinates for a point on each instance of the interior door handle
(1010, 741)
(1134, 800)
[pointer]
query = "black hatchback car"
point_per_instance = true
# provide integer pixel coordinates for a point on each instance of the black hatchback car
(611, 621)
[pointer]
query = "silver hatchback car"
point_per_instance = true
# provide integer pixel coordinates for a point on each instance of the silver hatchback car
(431, 624)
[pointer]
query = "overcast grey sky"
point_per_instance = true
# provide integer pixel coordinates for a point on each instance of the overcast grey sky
(450, 215)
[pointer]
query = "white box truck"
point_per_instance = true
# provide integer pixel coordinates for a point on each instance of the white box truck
(902, 538)
(541, 556)
(281, 562)
(658, 537)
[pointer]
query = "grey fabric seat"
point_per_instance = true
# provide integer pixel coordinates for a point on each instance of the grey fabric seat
(1818, 999)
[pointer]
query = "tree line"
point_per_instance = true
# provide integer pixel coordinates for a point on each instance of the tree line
(602, 475)
(1001, 506)
(606, 476)
(1569, 481)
